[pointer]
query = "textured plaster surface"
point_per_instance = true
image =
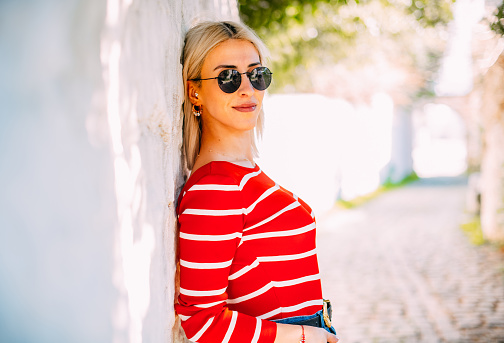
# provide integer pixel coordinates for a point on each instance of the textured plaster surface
(90, 144)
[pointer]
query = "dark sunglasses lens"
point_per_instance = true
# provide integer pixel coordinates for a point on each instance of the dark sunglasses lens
(260, 78)
(229, 80)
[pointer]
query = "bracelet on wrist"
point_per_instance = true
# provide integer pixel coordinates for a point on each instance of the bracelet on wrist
(303, 339)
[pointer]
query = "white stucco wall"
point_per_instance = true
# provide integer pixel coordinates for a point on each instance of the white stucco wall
(90, 138)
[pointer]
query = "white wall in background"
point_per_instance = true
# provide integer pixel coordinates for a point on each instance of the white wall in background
(90, 138)
(325, 149)
(440, 147)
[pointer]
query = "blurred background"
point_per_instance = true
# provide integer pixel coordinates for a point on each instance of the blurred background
(373, 92)
(386, 116)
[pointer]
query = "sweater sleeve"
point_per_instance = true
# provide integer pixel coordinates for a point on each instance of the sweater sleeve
(211, 223)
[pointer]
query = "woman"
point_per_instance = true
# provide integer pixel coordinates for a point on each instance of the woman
(248, 267)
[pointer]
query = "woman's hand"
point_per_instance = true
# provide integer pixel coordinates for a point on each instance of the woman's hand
(316, 335)
(287, 333)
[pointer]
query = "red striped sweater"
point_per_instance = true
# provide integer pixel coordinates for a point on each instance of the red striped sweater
(247, 254)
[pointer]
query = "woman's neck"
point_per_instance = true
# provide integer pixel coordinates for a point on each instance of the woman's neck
(234, 149)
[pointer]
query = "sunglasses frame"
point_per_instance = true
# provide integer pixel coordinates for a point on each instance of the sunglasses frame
(248, 73)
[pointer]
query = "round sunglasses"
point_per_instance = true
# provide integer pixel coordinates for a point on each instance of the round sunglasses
(230, 79)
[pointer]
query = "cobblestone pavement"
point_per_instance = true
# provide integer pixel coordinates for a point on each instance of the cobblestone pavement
(400, 269)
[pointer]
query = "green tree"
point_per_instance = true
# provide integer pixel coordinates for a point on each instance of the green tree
(309, 38)
(497, 23)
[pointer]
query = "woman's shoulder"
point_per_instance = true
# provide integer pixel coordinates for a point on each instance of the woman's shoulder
(217, 183)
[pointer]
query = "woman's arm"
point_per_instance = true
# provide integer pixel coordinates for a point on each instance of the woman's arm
(287, 333)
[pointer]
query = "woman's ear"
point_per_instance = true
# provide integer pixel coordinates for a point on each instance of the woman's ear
(192, 91)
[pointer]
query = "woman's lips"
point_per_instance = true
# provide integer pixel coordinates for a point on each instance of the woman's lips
(245, 107)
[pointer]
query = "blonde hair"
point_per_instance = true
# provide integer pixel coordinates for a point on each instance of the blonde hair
(199, 41)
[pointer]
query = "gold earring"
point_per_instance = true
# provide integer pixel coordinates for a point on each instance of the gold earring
(196, 112)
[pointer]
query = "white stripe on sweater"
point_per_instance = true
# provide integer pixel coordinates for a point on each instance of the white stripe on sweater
(214, 187)
(202, 331)
(270, 218)
(279, 233)
(207, 265)
(257, 332)
(272, 284)
(210, 238)
(232, 212)
(244, 270)
(208, 305)
(216, 213)
(183, 318)
(231, 327)
(247, 177)
(288, 257)
(263, 196)
(278, 258)
(202, 293)
(291, 308)
(219, 187)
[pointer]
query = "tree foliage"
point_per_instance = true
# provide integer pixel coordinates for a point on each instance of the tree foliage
(308, 38)
(497, 24)
(272, 16)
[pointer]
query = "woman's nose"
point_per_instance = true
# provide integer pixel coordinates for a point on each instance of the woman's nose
(246, 86)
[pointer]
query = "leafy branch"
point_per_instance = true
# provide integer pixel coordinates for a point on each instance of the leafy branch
(498, 24)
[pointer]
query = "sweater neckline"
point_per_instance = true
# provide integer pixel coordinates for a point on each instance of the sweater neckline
(193, 178)
(231, 164)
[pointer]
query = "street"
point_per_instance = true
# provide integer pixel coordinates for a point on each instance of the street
(399, 269)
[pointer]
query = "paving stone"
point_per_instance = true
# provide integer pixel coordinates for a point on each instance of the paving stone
(399, 269)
